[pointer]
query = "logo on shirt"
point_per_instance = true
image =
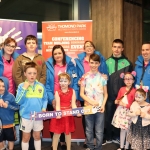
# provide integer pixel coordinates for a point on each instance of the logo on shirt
(39, 62)
(23, 127)
(24, 62)
(40, 90)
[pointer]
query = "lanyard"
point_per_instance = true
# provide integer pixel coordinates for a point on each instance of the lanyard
(143, 71)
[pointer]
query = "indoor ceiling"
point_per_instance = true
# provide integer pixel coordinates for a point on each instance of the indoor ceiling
(36, 10)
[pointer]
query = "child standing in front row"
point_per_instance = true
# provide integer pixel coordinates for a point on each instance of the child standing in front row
(7, 110)
(139, 133)
(32, 97)
(65, 99)
(93, 90)
(124, 100)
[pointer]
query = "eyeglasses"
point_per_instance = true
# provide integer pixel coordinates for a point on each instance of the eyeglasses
(11, 46)
(128, 79)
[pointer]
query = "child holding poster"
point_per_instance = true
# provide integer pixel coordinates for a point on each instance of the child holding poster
(65, 99)
(93, 90)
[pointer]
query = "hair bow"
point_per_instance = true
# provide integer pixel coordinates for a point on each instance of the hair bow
(145, 88)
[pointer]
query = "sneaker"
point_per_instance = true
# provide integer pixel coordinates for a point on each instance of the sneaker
(88, 149)
(120, 149)
(84, 145)
(117, 141)
(63, 147)
(106, 142)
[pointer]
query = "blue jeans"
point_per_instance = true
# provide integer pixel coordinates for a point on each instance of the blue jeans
(96, 120)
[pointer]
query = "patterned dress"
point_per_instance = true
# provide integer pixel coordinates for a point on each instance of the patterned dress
(138, 136)
(65, 124)
(121, 118)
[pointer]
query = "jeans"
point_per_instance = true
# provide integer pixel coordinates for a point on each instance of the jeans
(97, 121)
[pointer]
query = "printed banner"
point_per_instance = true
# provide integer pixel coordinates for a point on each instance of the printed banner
(17, 30)
(67, 112)
(70, 34)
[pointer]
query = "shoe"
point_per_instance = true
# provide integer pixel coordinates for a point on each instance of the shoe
(88, 149)
(106, 142)
(120, 149)
(117, 141)
(84, 145)
(63, 147)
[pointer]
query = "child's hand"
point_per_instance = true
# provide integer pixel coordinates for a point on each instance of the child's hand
(105, 76)
(138, 112)
(1, 102)
(26, 84)
(5, 105)
(121, 103)
(58, 117)
(79, 115)
(117, 101)
(79, 82)
(43, 110)
(102, 109)
(148, 110)
(142, 114)
(54, 104)
(95, 103)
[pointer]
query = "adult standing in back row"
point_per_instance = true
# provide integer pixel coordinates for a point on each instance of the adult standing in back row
(117, 63)
(142, 68)
(82, 65)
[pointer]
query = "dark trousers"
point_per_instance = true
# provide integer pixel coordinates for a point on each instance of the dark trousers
(111, 131)
(62, 136)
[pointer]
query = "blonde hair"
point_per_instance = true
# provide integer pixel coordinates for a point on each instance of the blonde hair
(64, 75)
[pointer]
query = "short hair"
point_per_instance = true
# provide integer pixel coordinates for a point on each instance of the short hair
(30, 37)
(30, 64)
(141, 91)
(1, 80)
(90, 43)
(63, 51)
(146, 42)
(95, 57)
(9, 40)
(64, 75)
(118, 41)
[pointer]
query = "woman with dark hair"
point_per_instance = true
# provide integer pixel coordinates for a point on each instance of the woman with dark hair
(59, 63)
(7, 57)
(82, 65)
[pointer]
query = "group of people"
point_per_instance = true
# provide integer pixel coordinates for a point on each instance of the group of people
(120, 94)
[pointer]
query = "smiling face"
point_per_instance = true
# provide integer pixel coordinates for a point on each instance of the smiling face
(146, 52)
(9, 48)
(31, 74)
(94, 65)
(128, 80)
(64, 82)
(139, 97)
(31, 45)
(58, 55)
(89, 49)
(2, 88)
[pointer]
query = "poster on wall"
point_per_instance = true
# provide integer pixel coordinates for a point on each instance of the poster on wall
(18, 30)
(70, 34)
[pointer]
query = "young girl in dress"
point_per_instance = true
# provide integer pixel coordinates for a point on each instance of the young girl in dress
(65, 99)
(124, 100)
(139, 133)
